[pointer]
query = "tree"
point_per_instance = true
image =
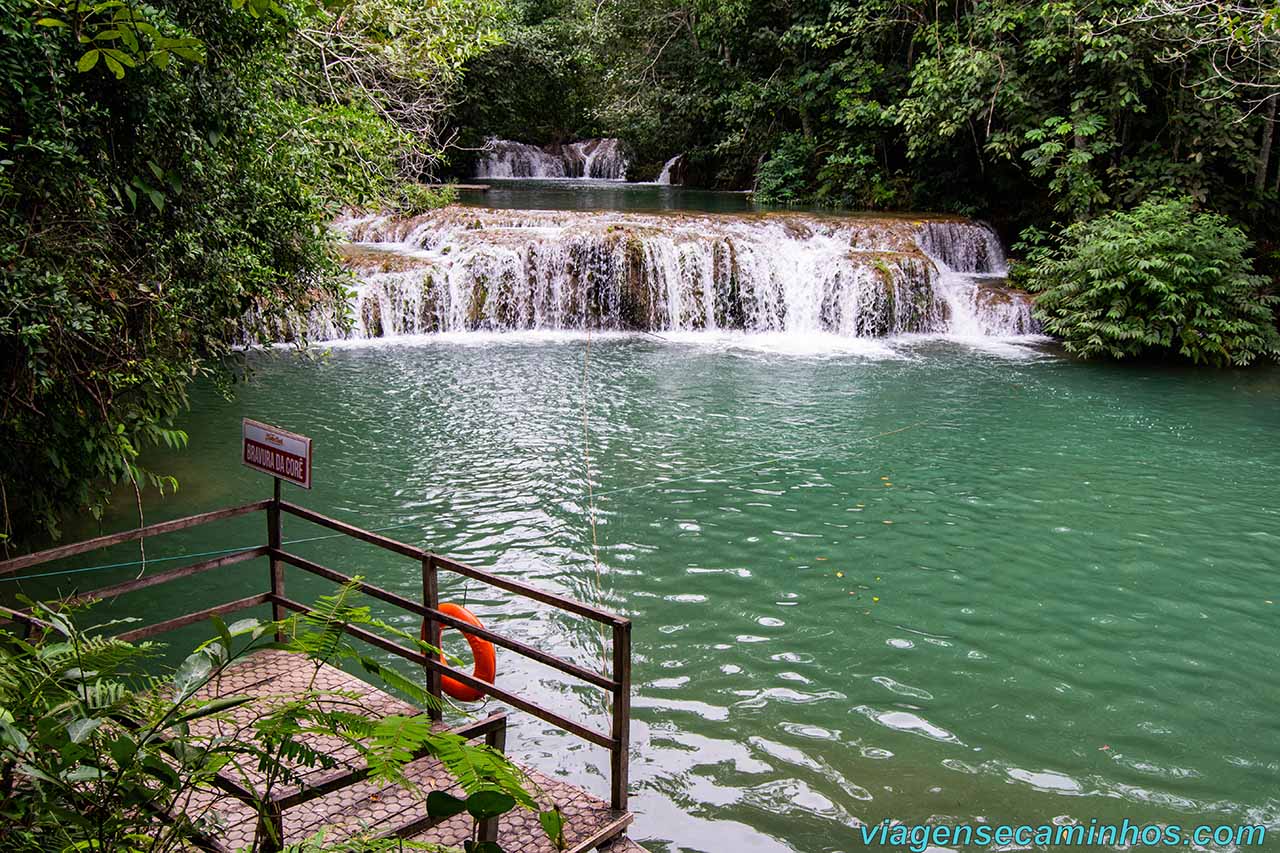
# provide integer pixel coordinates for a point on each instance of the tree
(391, 69)
(168, 174)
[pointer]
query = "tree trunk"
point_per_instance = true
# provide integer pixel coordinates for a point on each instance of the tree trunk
(1264, 154)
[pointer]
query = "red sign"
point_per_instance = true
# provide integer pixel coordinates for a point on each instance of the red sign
(277, 452)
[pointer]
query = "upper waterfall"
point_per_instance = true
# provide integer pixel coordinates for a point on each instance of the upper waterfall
(964, 247)
(664, 177)
(461, 269)
(590, 158)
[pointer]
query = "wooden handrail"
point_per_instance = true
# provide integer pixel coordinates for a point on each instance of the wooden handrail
(193, 618)
(38, 557)
(171, 575)
(354, 532)
(447, 564)
(557, 601)
(617, 683)
(25, 618)
(598, 738)
(453, 622)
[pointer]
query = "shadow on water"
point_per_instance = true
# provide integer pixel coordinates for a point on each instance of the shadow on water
(580, 194)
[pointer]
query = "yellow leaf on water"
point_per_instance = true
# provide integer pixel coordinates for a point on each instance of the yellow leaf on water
(875, 598)
(887, 521)
(839, 574)
(888, 484)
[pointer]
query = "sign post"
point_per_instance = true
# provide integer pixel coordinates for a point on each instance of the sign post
(285, 456)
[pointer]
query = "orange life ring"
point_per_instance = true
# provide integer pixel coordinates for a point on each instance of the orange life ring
(481, 649)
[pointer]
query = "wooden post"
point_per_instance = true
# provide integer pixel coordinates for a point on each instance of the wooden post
(495, 738)
(431, 631)
(277, 567)
(619, 756)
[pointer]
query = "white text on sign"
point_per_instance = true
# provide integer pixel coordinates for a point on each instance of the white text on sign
(277, 452)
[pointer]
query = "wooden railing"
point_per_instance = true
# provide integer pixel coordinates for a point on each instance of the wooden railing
(617, 683)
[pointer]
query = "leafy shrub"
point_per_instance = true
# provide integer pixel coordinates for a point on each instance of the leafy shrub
(786, 176)
(1160, 279)
(168, 173)
(413, 199)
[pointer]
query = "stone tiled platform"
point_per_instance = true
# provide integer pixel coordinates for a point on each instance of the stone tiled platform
(372, 809)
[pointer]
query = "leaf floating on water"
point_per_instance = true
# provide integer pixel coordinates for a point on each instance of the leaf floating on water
(888, 484)
(839, 574)
(875, 598)
(820, 558)
(884, 478)
(887, 521)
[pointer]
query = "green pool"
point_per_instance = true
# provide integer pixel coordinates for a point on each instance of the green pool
(910, 579)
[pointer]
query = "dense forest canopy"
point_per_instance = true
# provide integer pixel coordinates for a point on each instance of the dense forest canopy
(1024, 110)
(169, 170)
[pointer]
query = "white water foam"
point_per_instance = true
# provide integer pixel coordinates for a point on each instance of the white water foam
(664, 177)
(793, 282)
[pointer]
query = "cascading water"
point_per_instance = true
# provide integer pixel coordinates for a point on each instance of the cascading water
(971, 280)
(591, 158)
(463, 269)
(664, 177)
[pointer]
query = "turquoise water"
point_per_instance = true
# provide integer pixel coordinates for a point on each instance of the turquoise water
(908, 579)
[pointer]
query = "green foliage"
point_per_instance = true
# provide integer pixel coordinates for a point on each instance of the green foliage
(785, 176)
(537, 85)
(345, 152)
(1160, 279)
(378, 77)
(149, 223)
(92, 742)
(168, 173)
(1018, 109)
(413, 198)
(121, 34)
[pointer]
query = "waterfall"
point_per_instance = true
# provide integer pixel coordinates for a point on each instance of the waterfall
(461, 269)
(590, 158)
(963, 246)
(971, 280)
(664, 177)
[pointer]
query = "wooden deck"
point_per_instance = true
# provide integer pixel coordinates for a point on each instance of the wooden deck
(338, 800)
(374, 809)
